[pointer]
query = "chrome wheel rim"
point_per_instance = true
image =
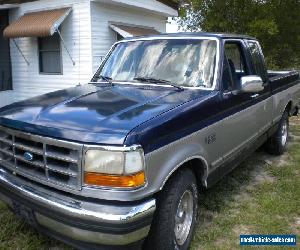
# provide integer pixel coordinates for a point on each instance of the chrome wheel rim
(284, 133)
(184, 217)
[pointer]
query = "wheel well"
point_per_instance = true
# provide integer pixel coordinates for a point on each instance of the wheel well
(289, 108)
(198, 166)
(296, 111)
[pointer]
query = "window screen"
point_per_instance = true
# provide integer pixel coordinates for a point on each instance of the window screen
(50, 55)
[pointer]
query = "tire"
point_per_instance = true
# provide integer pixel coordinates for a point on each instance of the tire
(277, 144)
(178, 198)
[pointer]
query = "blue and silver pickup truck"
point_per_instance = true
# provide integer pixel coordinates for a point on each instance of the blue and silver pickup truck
(118, 163)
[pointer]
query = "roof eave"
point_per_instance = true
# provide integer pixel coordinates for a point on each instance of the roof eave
(4, 2)
(158, 8)
(8, 6)
(171, 3)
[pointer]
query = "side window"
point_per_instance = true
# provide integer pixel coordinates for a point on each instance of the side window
(235, 57)
(227, 76)
(257, 61)
(234, 65)
(50, 55)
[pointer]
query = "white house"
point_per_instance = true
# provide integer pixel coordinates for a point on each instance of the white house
(47, 45)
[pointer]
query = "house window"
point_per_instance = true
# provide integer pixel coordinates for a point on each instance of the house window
(50, 55)
(5, 64)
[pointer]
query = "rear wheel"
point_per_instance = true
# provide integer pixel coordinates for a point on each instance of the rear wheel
(174, 221)
(277, 144)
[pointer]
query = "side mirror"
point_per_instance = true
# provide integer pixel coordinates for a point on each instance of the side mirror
(251, 84)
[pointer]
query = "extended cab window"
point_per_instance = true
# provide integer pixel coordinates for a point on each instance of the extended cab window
(234, 66)
(256, 58)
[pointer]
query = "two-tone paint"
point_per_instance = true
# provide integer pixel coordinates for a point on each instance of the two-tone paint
(212, 130)
(173, 127)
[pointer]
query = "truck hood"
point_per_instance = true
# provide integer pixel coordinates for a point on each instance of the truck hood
(100, 113)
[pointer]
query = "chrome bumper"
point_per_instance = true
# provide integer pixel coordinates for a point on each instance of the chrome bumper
(79, 220)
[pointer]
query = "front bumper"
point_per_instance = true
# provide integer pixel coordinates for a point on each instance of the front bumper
(75, 219)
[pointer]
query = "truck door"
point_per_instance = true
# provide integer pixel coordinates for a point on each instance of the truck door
(247, 115)
(258, 67)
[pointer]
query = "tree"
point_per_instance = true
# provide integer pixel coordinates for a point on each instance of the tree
(275, 23)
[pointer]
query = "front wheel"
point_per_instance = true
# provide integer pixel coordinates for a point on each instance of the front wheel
(277, 144)
(174, 221)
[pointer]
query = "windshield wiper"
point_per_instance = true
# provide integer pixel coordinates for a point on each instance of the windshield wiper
(158, 81)
(105, 78)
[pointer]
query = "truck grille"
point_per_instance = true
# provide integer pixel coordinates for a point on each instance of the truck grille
(45, 160)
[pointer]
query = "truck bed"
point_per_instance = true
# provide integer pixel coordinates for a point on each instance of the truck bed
(273, 75)
(282, 79)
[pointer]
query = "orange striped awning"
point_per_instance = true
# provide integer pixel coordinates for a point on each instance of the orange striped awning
(37, 24)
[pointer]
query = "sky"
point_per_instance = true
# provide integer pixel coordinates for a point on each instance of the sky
(172, 26)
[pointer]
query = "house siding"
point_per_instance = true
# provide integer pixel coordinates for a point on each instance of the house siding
(87, 35)
(103, 36)
(76, 32)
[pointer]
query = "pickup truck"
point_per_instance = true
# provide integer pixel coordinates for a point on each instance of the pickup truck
(119, 163)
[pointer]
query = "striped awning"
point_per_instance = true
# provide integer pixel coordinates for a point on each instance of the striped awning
(130, 31)
(37, 24)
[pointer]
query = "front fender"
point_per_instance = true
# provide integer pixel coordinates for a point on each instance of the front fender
(162, 163)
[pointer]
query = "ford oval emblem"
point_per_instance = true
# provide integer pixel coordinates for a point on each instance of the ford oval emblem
(28, 156)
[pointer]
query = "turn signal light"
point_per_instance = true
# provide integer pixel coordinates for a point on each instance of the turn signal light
(121, 181)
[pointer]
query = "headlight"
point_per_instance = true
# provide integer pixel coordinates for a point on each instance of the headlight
(114, 168)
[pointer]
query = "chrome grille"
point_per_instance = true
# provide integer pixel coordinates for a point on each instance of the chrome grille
(54, 162)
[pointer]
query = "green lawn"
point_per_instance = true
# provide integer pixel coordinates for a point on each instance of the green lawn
(260, 196)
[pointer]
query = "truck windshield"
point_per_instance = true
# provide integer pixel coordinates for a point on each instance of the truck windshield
(180, 62)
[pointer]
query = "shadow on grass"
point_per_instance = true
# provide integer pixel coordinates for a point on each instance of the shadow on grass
(230, 186)
(247, 199)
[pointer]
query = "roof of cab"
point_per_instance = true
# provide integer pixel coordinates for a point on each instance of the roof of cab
(196, 34)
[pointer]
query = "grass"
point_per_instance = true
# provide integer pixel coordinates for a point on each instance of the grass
(262, 196)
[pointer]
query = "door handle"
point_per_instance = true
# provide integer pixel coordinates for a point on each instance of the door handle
(255, 95)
